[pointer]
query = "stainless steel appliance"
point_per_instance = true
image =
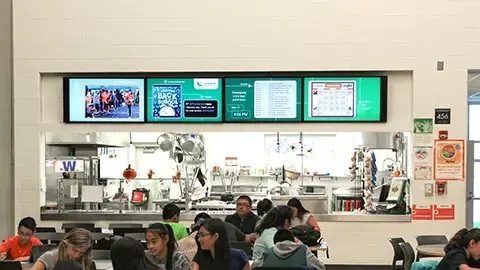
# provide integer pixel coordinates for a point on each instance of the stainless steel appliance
(316, 204)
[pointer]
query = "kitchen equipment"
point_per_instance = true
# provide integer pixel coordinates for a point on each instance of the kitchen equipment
(316, 204)
(292, 175)
(165, 142)
(192, 143)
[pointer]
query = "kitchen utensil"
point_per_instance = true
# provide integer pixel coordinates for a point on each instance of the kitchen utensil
(165, 142)
(178, 155)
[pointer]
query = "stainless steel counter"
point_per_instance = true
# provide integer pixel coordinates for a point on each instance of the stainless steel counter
(157, 216)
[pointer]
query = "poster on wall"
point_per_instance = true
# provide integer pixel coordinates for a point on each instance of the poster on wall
(443, 212)
(449, 160)
(422, 172)
(422, 163)
(422, 212)
(422, 132)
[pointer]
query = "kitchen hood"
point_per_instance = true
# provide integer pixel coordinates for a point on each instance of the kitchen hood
(380, 140)
(90, 139)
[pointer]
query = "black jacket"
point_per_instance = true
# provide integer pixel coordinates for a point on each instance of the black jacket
(246, 225)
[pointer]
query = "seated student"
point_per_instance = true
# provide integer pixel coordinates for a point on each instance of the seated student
(302, 216)
(287, 253)
(163, 248)
(76, 245)
(214, 251)
(464, 245)
(263, 207)
(244, 218)
(277, 218)
(171, 216)
(128, 254)
(68, 265)
(19, 247)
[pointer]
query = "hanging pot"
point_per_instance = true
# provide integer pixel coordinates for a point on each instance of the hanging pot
(165, 142)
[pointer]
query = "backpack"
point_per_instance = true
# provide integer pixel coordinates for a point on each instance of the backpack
(308, 235)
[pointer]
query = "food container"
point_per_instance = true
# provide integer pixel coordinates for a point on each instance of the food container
(292, 175)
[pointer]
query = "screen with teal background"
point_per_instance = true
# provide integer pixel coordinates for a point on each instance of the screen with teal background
(184, 100)
(263, 99)
(339, 99)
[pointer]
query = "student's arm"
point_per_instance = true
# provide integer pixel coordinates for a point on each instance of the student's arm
(22, 259)
(313, 261)
(4, 249)
(195, 266)
(312, 222)
(247, 266)
(466, 267)
(240, 236)
(38, 266)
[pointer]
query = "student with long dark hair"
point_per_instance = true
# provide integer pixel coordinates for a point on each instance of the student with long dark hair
(301, 215)
(464, 246)
(277, 218)
(163, 248)
(128, 254)
(214, 251)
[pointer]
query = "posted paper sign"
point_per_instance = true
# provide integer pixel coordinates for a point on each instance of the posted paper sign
(422, 212)
(444, 212)
(69, 166)
(449, 160)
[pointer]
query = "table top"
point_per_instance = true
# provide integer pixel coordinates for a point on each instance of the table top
(100, 264)
(321, 247)
(432, 250)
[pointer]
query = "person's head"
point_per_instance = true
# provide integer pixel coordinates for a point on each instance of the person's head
(283, 235)
(467, 239)
(26, 229)
(171, 213)
(212, 239)
(68, 265)
(264, 206)
(128, 254)
(244, 205)
(298, 209)
(199, 220)
(279, 217)
(76, 245)
(161, 242)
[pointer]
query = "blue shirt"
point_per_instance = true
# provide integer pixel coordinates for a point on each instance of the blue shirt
(238, 260)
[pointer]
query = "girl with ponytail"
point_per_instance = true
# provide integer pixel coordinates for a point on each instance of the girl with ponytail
(461, 250)
(163, 248)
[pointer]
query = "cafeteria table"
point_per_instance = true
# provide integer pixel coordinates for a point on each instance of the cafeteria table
(100, 264)
(432, 250)
(321, 247)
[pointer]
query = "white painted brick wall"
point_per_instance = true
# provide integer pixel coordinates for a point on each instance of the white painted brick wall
(54, 36)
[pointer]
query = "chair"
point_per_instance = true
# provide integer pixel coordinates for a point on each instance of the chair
(77, 225)
(45, 230)
(397, 252)
(124, 225)
(429, 240)
(136, 236)
(91, 229)
(10, 265)
(96, 236)
(50, 238)
(38, 251)
(408, 255)
(245, 246)
(123, 231)
(100, 254)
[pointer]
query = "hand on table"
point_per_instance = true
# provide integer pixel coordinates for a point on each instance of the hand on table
(3, 256)
(23, 259)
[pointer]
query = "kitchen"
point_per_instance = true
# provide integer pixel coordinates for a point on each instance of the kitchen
(333, 174)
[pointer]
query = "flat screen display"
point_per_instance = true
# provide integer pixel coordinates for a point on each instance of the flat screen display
(345, 99)
(104, 100)
(194, 100)
(263, 99)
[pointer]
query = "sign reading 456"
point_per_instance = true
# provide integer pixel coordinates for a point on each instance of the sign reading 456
(442, 116)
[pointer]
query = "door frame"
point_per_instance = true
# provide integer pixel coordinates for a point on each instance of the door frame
(470, 175)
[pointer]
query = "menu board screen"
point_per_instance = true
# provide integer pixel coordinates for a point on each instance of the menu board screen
(184, 100)
(262, 99)
(103, 100)
(339, 99)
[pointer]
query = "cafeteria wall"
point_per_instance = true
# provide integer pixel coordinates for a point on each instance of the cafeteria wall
(7, 203)
(409, 37)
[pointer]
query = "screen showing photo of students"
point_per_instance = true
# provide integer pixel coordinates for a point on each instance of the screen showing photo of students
(194, 100)
(106, 100)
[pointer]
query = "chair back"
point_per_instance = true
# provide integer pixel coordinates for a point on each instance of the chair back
(45, 229)
(123, 231)
(397, 251)
(50, 238)
(136, 236)
(90, 229)
(99, 236)
(431, 239)
(38, 251)
(100, 254)
(77, 225)
(245, 246)
(10, 265)
(408, 255)
(124, 225)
